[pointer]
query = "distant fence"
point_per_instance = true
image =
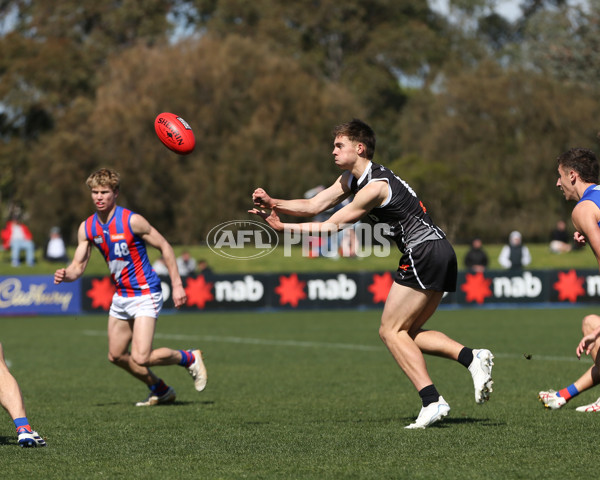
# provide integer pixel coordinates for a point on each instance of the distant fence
(37, 294)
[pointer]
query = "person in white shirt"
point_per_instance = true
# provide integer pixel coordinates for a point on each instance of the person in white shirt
(515, 255)
(160, 267)
(56, 251)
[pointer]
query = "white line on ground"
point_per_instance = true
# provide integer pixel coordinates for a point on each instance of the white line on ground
(253, 341)
(301, 344)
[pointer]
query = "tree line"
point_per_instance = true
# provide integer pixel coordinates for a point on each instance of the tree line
(469, 108)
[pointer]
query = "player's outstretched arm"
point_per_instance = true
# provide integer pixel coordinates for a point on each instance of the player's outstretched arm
(261, 199)
(141, 227)
(585, 217)
(368, 198)
(297, 208)
(79, 262)
(305, 207)
(272, 219)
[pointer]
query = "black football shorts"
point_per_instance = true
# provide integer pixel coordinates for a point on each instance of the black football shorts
(431, 265)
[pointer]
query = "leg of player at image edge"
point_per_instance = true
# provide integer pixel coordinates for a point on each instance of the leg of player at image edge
(435, 408)
(554, 400)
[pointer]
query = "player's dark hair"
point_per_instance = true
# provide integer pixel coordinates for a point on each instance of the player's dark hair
(105, 177)
(582, 161)
(358, 131)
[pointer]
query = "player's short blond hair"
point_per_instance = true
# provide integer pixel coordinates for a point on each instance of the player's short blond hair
(105, 177)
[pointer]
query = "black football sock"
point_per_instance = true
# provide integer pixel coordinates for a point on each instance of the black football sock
(429, 394)
(465, 357)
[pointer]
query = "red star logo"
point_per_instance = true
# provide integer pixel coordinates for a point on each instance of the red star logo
(198, 291)
(101, 293)
(476, 287)
(290, 290)
(380, 288)
(569, 286)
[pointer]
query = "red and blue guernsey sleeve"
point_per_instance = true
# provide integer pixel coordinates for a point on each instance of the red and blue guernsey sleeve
(125, 254)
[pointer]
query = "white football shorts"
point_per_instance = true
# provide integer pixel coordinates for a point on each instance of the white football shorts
(126, 308)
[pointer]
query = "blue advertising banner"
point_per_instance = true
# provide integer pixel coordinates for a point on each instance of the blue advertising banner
(37, 295)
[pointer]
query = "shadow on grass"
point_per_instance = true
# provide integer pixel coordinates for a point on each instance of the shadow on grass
(12, 441)
(447, 422)
(485, 422)
(176, 403)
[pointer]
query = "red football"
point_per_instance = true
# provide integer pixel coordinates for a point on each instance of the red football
(175, 133)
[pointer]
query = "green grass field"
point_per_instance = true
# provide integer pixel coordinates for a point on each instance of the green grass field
(278, 262)
(301, 396)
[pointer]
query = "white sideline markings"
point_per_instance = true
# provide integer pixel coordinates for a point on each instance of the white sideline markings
(344, 346)
(254, 341)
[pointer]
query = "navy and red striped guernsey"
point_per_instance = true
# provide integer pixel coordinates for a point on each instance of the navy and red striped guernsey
(124, 252)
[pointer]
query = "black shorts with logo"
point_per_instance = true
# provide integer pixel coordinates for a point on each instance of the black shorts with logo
(431, 265)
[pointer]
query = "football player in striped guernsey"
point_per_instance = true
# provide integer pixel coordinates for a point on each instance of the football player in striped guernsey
(121, 237)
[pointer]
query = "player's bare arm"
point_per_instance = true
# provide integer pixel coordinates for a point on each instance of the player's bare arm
(79, 262)
(373, 195)
(141, 227)
(308, 207)
(370, 197)
(585, 217)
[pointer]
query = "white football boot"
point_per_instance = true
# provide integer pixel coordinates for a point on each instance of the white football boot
(30, 439)
(551, 399)
(198, 371)
(430, 414)
(591, 408)
(481, 371)
(168, 397)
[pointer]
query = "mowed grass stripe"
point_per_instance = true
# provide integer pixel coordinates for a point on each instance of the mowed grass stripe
(299, 395)
(253, 341)
(304, 344)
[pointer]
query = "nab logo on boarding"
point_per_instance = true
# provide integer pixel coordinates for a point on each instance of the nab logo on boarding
(340, 288)
(242, 239)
